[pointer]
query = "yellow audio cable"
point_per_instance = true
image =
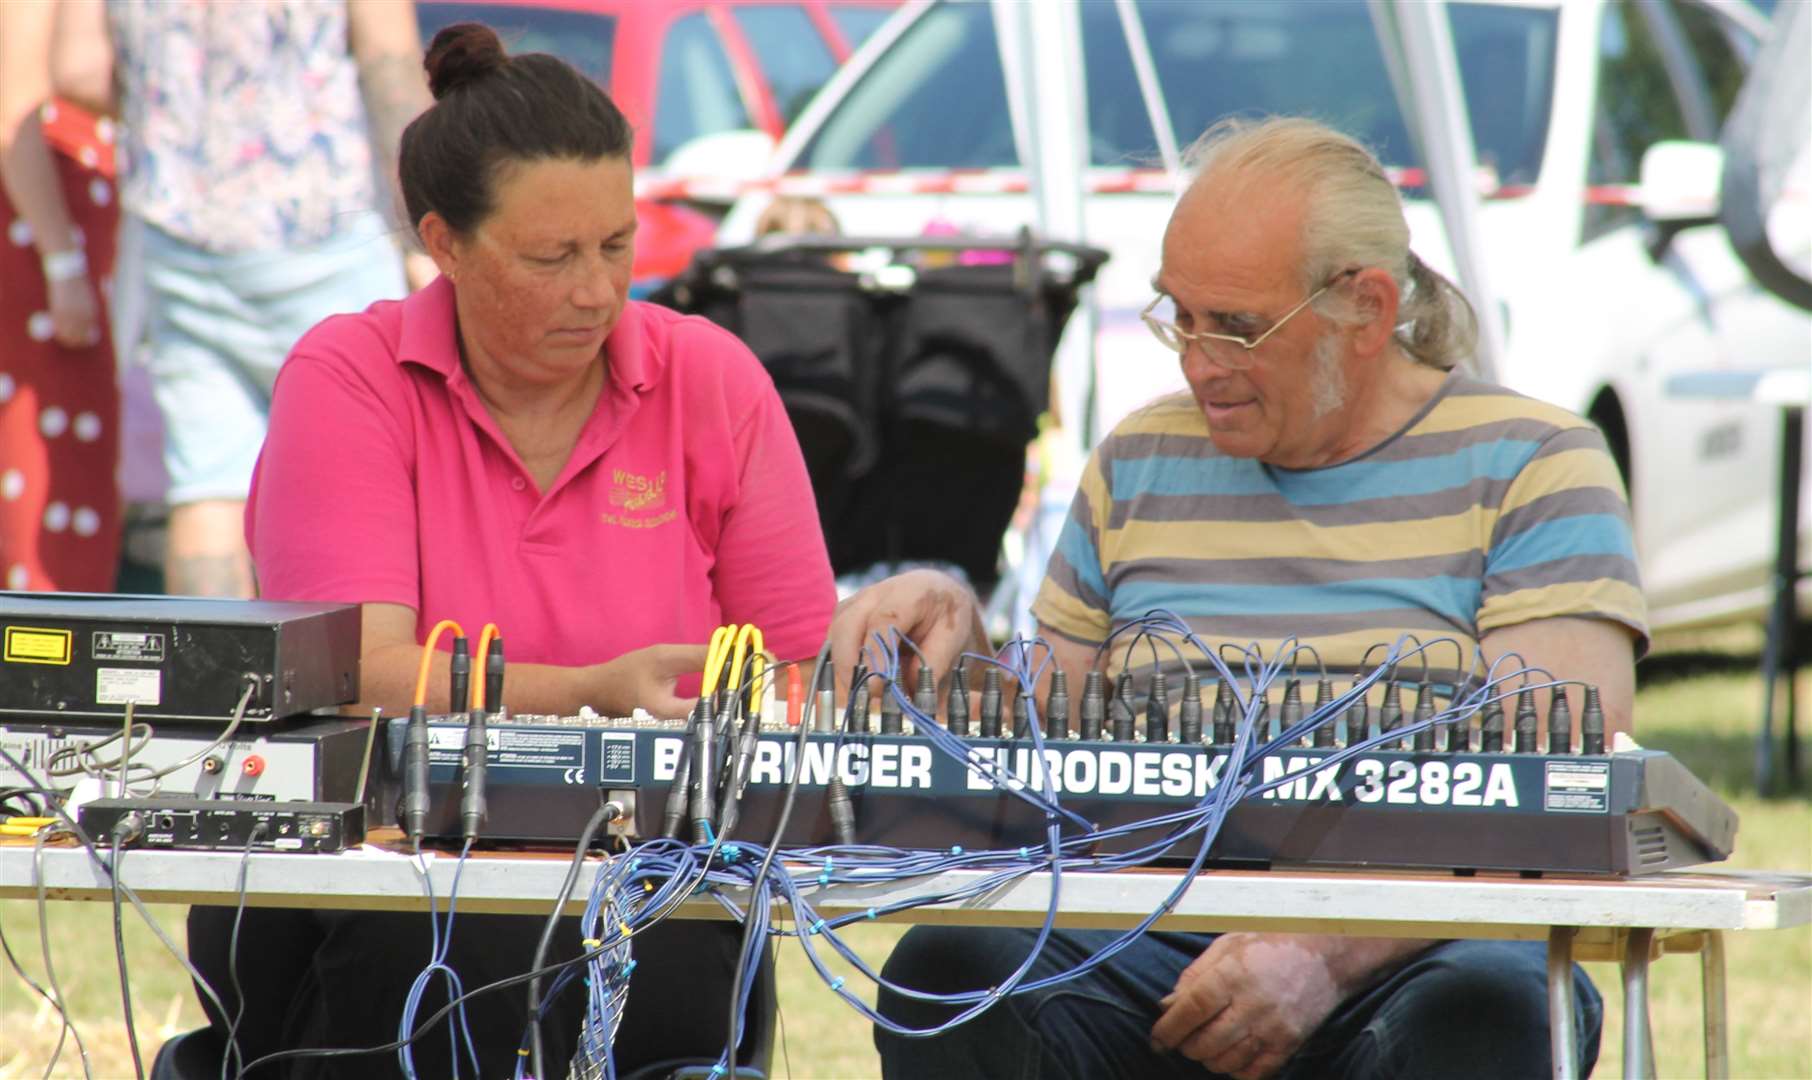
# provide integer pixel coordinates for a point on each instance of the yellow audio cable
(748, 641)
(714, 658)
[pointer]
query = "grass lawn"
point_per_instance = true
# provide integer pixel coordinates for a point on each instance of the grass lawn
(1699, 705)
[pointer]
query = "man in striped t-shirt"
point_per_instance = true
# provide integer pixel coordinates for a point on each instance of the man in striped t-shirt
(1484, 512)
(1330, 478)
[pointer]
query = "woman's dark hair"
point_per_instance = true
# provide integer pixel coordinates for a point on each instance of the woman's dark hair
(490, 110)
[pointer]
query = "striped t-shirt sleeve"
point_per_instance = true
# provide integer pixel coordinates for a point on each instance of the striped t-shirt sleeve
(1074, 601)
(1562, 543)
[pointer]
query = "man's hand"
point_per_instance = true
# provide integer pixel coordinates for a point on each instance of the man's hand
(1246, 1005)
(645, 679)
(940, 614)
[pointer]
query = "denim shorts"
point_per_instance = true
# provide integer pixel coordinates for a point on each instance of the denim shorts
(217, 327)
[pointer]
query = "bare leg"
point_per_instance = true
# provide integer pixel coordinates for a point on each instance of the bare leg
(206, 553)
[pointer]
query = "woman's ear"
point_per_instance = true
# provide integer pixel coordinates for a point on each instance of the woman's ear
(438, 241)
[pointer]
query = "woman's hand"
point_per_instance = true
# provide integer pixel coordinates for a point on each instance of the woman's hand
(74, 313)
(645, 679)
(937, 612)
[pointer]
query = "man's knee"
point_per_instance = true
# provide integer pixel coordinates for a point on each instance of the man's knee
(945, 960)
(1481, 1002)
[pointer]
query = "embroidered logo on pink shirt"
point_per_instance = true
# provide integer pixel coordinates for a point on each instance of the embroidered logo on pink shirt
(637, 495)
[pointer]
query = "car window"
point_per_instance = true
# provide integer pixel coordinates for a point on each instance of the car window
(696, 92)
(857, 22)
(582, 39)
(793, 57)
(937, 99)
(1320, 59)
(1634, 108)
(940, 99)
(1709, 39)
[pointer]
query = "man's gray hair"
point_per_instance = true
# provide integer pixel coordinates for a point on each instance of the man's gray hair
(1353, 217)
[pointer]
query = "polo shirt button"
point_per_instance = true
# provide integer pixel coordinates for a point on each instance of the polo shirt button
(518, 483)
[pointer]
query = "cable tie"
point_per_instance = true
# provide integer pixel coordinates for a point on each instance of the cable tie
(827, 864)
(627, 932)
(521, 1052)
(647, 886)
(824, 879)
(591, 943)
(871, 913)
(710, 836)
(716, 1071)
(1024, 853)
(816, 926)
(731, 852)
(837, 983)
(956, 849)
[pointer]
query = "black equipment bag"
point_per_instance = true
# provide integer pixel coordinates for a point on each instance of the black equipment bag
(914, 389)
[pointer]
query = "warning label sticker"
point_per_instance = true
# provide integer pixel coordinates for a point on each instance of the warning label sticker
(539, 749)
(140, 648)
(515, 748)
(1577, 787)
(37, 645)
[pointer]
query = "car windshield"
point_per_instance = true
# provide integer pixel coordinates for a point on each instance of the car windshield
(582, 39)
(938, 98)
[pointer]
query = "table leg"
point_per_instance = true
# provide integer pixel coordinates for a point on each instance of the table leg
(1717, 1029)
(1564, 1047)
(1638, 1046)
(1780, 652)
(1793, 422)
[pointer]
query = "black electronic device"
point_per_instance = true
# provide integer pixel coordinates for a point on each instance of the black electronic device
(74, 655)
(316, 758)
(225, 824)
(1626, 813)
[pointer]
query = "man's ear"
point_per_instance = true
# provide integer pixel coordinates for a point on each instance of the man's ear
(1375, 296)
(439, 241)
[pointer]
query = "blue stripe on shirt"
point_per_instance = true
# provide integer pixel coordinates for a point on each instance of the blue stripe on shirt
(1499, 459)
(1079, 552)
(1581, 534)
(1450, 597)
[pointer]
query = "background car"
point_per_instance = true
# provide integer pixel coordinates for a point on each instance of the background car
(1595, 126)
(708, 85)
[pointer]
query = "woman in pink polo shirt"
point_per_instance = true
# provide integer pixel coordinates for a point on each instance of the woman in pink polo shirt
(519, 443)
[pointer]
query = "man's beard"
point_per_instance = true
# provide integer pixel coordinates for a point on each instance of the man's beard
(1328, 389)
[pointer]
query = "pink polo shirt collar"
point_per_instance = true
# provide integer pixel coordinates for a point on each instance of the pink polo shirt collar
(429, 339)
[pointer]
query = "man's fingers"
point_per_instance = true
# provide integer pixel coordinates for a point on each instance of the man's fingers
(1223, 1045)
(1235, 1060)
(1267, 1063)
(1190, 1008)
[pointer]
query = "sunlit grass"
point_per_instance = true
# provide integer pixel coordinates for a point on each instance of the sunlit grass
(1700, 707)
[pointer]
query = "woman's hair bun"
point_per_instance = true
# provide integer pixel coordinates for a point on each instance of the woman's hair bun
(462, 53)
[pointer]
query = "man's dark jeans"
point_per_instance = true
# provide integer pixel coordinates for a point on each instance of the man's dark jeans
(1461, 1009)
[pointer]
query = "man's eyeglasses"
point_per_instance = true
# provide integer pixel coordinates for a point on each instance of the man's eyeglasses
(1178, 340)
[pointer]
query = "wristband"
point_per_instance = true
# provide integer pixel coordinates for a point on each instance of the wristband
(65, 265)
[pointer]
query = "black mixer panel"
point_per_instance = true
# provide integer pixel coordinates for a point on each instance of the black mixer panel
(1624, 813)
